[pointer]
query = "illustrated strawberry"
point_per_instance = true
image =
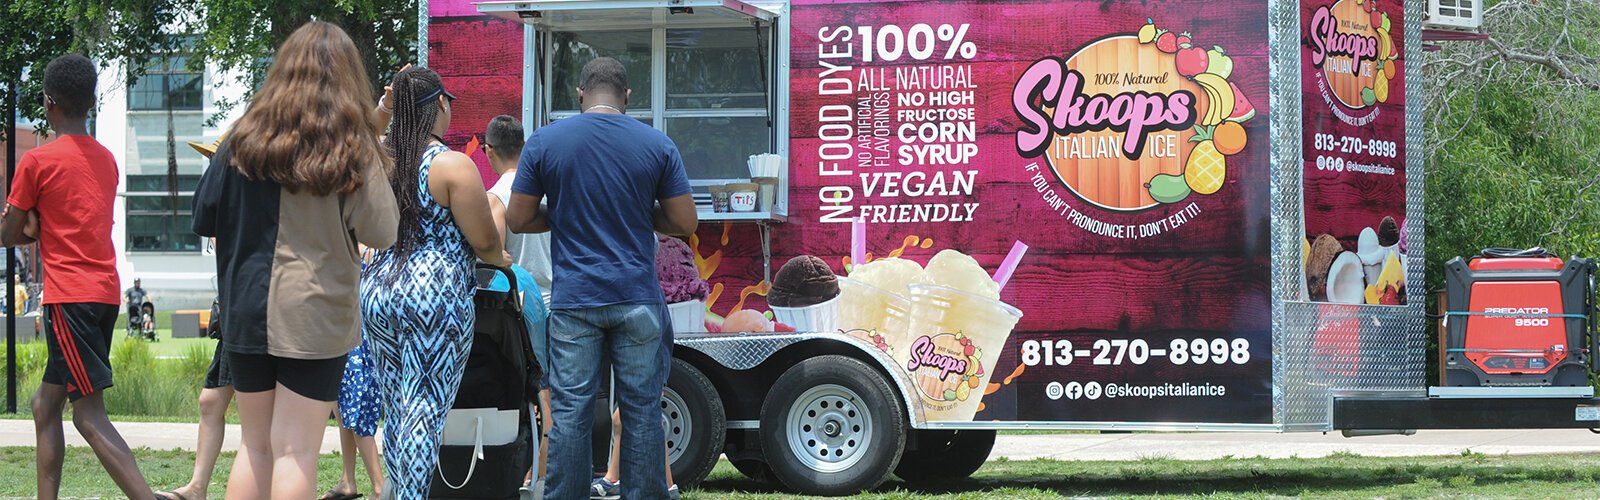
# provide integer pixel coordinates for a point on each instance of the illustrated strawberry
(968, 349)
(1391, 296)
(1184, 40)
(1377, 17)
(1167, 42)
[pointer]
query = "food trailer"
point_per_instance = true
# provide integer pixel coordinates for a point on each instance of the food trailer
(925, 221)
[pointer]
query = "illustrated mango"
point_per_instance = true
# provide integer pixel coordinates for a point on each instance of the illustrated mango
(1166, 188)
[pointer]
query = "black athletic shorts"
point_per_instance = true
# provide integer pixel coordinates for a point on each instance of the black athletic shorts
(79, 337)
(219, 375)
(317, 379)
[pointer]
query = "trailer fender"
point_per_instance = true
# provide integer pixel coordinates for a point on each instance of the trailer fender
(741, 352)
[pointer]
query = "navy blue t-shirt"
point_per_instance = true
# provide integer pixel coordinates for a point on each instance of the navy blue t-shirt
(602, 175)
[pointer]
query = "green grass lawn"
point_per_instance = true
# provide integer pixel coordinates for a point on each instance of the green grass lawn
(1342, 476)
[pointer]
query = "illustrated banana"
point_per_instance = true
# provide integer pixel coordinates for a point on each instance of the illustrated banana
(1385, 45)
(1219, 96)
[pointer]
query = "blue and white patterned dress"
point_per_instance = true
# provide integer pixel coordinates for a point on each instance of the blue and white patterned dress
(418, 317)
(358, 393)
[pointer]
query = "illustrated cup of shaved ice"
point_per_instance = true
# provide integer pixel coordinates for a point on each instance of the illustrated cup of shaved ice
(957, 326)
(873, 314)
(874, 303)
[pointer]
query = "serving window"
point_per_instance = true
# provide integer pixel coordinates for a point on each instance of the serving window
(709, 93)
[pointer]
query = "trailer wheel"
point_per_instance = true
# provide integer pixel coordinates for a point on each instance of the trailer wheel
(832, 426)
(946, 455)
(691, 415)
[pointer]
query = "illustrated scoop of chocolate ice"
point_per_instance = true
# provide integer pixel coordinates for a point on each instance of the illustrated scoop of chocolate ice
(803, 281)
(1388, 232)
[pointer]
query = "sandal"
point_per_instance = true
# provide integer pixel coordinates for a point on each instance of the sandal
(335, 495)
(170, 495)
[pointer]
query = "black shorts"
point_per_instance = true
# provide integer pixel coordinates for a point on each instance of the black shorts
(317, 379)
(219, 375)
(79, 337)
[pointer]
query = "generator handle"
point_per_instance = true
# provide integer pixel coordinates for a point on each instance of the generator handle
(1591, 316)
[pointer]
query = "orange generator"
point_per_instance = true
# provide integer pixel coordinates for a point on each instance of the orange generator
(1519, 318)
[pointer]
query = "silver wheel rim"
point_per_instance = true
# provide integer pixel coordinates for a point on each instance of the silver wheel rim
(676, 422)
(827, 428)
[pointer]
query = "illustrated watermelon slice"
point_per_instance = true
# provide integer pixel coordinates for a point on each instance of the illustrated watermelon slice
(1243, 111)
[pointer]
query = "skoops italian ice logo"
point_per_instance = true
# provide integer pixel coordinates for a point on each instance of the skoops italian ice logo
(946, 367)
(1350, 42)
(1133, 121)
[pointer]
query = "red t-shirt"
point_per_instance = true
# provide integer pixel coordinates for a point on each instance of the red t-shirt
(72, 181)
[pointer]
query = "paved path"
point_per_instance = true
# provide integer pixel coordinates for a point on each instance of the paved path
(1203, 446)
(1186, 446)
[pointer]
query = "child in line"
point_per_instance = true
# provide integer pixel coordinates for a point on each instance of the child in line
(63, 196)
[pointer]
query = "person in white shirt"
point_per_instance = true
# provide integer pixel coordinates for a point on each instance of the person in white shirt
(531, 251)
(503, 145)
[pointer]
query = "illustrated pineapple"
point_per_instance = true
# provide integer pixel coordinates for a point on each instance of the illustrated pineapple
(1206, 167)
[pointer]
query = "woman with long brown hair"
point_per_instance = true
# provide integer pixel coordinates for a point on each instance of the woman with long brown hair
(416, 298)
(298, 183)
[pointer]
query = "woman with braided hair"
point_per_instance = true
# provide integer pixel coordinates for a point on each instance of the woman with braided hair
(416, 296)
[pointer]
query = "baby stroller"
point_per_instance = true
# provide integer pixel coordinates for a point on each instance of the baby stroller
(142, 321)
(488, 440)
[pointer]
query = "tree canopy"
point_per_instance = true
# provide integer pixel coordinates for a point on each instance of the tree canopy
(235, 35)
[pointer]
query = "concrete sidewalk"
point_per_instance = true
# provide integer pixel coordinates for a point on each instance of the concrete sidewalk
(1185, 446)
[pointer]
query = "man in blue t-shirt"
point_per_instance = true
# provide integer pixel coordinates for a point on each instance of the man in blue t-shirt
(612, 183)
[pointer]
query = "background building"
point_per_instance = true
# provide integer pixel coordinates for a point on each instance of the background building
(148, 127)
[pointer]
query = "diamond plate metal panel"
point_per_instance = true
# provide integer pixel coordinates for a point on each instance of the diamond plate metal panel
(749, 350)
(1319, 349)
(1283, 46)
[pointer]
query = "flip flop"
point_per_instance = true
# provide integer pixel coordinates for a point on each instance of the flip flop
(170, 495)
(334, 495)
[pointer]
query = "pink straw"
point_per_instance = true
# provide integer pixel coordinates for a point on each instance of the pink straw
(1009, 266)
(858, 241)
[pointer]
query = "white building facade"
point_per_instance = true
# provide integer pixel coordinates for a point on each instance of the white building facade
(152, 230)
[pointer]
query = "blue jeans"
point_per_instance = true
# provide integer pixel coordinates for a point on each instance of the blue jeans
(637, 339)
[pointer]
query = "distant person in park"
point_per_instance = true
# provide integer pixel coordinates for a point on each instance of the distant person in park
(135, 297)
(215, 394)
(297, 184)
(417, 297)
(63, 197)
(612, 183)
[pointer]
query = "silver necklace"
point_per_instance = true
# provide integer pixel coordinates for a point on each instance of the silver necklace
(607, 106)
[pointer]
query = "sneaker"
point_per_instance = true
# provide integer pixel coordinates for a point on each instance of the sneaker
(601, 489)
(672, 493)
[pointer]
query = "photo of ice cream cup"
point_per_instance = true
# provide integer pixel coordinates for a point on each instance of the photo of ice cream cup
(688, 316)
(805, 295)
(681, 285)
(953, 341)
(873, 314)
(823, 317)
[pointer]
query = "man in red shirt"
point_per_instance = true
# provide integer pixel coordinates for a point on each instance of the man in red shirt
(62, 197)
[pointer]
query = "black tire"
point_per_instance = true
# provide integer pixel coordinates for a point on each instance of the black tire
(945, 455)
(756, 470)
(846, 419)
(690, 394)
